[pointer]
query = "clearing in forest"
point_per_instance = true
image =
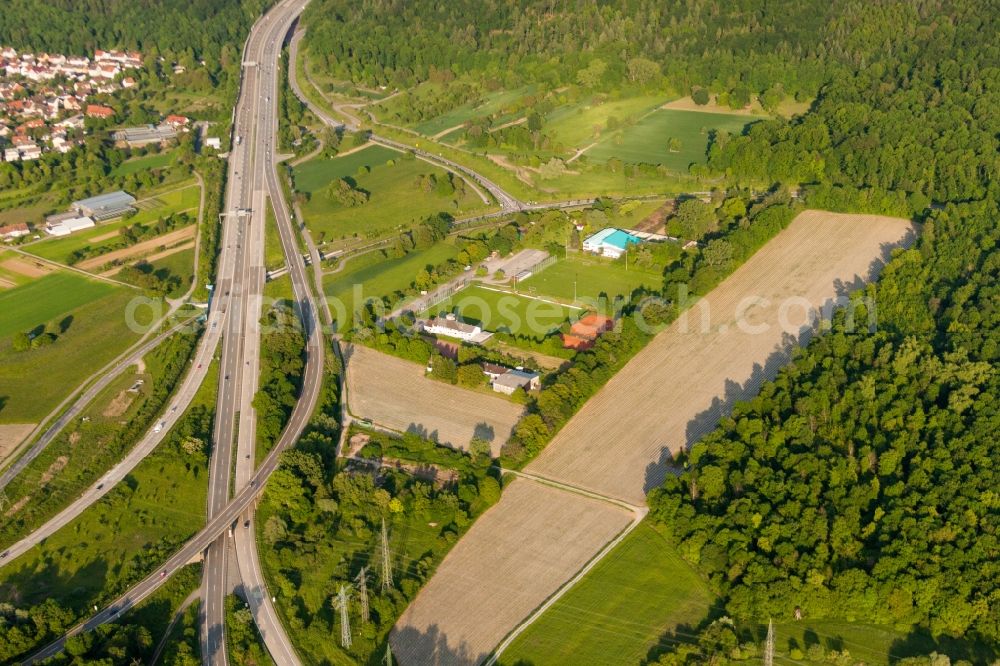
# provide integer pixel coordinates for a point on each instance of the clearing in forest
(618, 444)
(394, 393)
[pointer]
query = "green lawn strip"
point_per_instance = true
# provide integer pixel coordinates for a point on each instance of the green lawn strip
(396, 201)
(498, 310)
(632, 601)
(373, 276)
(647, 140)
(145, 163)
(33, 382)
(588, 278)
(47, 298)
(243, 640)
(274, 253)
(89, 445)
(279, 289)
(129, 532)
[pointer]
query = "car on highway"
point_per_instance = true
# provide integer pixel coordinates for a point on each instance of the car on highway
(246, 524)
(159, 426)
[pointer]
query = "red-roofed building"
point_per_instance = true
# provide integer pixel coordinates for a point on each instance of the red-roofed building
(98, 111)
(586, 330)
(16, 230)
(177, 121)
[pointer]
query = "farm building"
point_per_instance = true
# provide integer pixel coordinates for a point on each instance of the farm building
(62, 225)
(105, 206)
(12, 231)
(610, 242)
(512, 380)
(586, 330)
(449, 326)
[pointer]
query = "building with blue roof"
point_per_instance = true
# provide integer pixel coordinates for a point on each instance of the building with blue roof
(610, 242)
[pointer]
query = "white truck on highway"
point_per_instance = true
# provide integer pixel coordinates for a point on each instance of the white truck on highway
(239, 139)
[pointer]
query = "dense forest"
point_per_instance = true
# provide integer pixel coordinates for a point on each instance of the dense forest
(862, 483)
(741, 47)
(199, 28)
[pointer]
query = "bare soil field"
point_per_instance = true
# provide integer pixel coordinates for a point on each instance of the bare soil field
(395, 393)
(515, 556)
(11, 435)
(678, 387)
(28, 267)
(139, 249)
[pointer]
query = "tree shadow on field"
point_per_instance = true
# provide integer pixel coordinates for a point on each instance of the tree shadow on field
(682, 634)
(733, 393)
(3, 402)
(64, 325)
(484, 431)
(412, 646)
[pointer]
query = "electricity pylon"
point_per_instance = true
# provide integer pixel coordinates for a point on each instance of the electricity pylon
(386, 562)
(362, 581)
(769, 645)
(345, 625)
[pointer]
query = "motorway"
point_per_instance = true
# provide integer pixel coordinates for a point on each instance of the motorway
(228, 313)
(251, 166)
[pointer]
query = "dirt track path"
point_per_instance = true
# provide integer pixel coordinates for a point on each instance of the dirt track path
(139, 248)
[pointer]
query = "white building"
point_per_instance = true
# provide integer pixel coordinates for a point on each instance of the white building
(67, 226)
(610, 242)
(452, 328)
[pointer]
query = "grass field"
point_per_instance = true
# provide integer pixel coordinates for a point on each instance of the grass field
(318, 173)
(588, 278)
(47, 299)
(646, 141)
(32, 383)
(577, 125)
(123, 536)
(504, 311)
(492, 103)
(274, 253)
(145, 163)
(620, 610)
(377, 277)
(396, 201)
(180, 264)
(58, 249)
